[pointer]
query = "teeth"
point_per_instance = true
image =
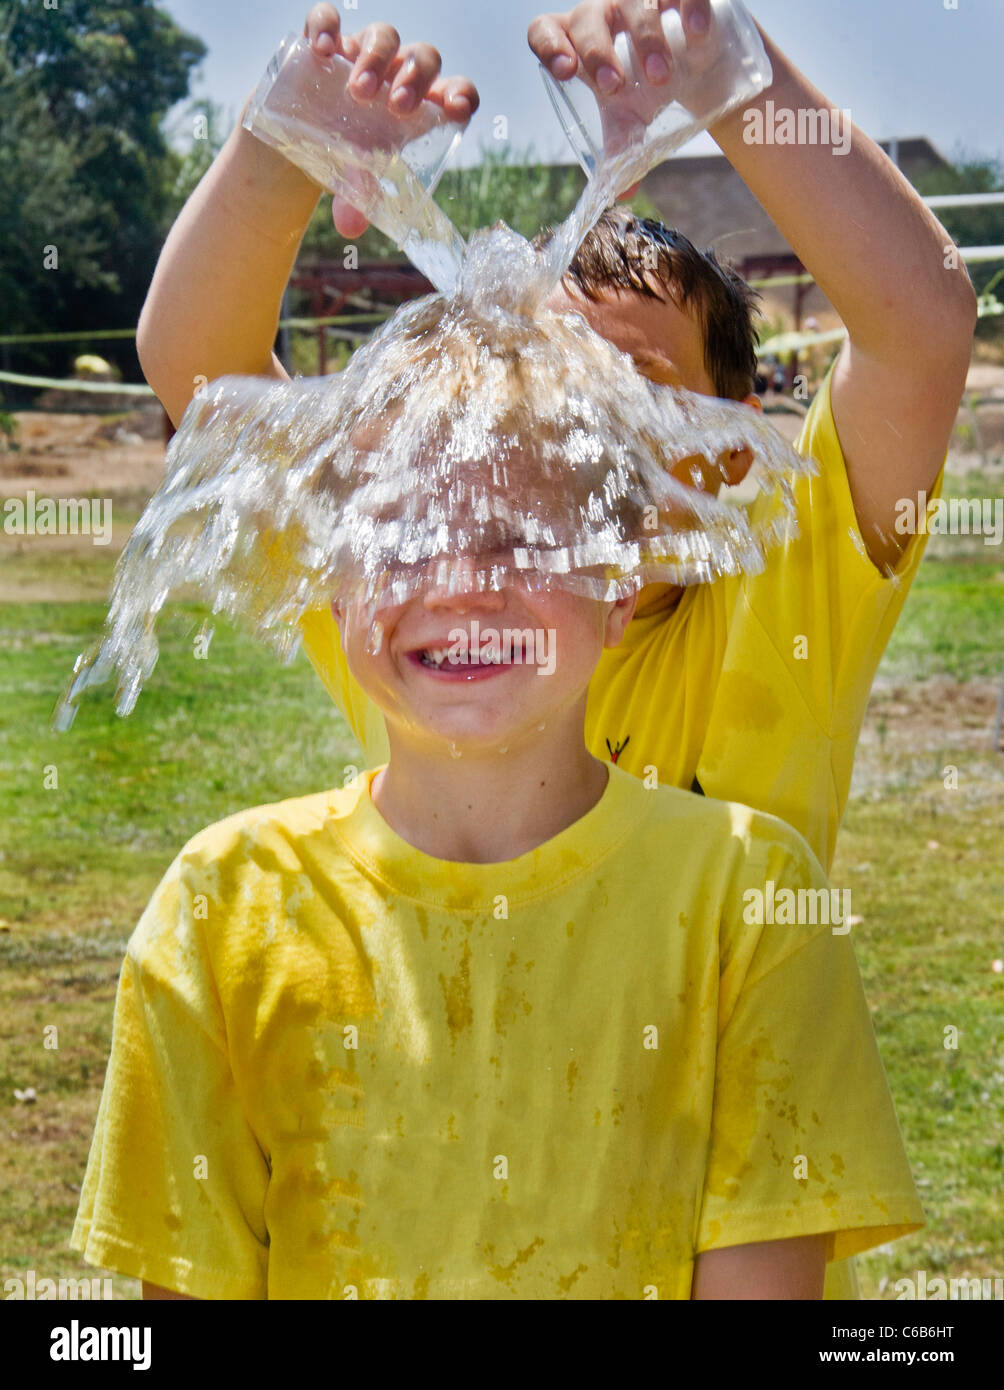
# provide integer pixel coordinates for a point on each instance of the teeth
(435, 656)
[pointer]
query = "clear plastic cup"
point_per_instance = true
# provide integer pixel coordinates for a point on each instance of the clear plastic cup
(385, 164)
(623, 135)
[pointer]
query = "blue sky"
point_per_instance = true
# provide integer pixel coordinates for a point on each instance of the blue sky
(902, 67)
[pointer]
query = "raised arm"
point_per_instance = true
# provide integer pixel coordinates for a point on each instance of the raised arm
(876, 251)
(885, 263)
(213, 305)
(214, 302)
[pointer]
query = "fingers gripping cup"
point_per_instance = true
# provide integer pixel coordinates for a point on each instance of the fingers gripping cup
(619, 137)
(385, 164)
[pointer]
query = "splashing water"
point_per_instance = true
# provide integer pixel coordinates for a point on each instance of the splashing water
(477, 440)
(375, 640)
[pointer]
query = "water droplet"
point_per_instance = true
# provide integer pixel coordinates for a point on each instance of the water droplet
(542, 726)
(64, 715)
(454, 750)
(504, 748)
(375, 640)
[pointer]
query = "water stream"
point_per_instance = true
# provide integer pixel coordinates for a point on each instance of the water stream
(477, 424)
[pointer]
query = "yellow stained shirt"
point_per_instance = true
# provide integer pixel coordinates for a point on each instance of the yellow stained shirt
(342, 1068)
(757, 685)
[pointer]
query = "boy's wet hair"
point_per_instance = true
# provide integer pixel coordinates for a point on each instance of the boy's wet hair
(626, 252)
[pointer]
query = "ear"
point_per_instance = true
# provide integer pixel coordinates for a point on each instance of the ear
(738, 464)
(741, 460)
(619, 615)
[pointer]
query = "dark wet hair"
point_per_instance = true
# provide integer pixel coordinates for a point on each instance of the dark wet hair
(624, 252)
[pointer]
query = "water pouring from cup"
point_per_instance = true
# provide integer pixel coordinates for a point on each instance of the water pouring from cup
(384, 163)
(475, 423)
(619, 135)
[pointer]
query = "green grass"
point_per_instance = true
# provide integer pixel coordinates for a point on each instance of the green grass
(931, 928)
(955, 619)
(79, 862)
(208, 738)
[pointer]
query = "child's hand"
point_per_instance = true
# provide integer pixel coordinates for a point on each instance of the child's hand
(586, 35)
(582, 41)
(411, 71)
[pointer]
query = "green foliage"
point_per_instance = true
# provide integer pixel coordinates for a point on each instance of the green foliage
(108, 71)
(197, 138)
(8, 430)
(506, 184)
(972, 173)
(511, 187)
(85, 166)
(41, 205)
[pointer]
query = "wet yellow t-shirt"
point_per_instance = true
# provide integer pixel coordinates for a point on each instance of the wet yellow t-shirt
(342, 1068)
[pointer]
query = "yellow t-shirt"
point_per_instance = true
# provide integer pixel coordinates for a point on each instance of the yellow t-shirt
(756, 685)
(341, 1067)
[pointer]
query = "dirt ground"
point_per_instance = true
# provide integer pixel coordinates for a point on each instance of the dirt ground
(909, 724)
(73, 455)
(122, 456)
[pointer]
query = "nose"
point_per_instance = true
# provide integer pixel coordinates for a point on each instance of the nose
(460, 596)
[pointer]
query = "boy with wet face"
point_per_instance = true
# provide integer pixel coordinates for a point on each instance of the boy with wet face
(492, 1022)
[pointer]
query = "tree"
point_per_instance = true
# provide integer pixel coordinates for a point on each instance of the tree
(196, 140)
(40, 206)
(506, 184)
(972, 173)
(85, 87)
(969, 173)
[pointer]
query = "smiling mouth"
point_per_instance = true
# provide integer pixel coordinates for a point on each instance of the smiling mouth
(440, 658)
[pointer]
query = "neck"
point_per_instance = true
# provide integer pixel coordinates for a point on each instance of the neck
(657, 598)
(487, 807)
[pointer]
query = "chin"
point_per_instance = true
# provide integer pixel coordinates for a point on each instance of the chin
(484, 735)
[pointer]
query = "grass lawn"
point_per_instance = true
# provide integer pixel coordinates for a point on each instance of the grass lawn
(80, 859)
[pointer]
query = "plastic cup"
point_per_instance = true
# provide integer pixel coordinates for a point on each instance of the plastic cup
(385, 164)
(625, 134)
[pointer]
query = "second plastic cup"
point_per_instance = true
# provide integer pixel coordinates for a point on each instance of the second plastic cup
(642, 123)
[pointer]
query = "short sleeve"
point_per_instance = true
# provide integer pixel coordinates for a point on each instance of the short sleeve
(323, 646)
(805, 638)
(804, 1136)
(175, 1186)
(860, 599)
